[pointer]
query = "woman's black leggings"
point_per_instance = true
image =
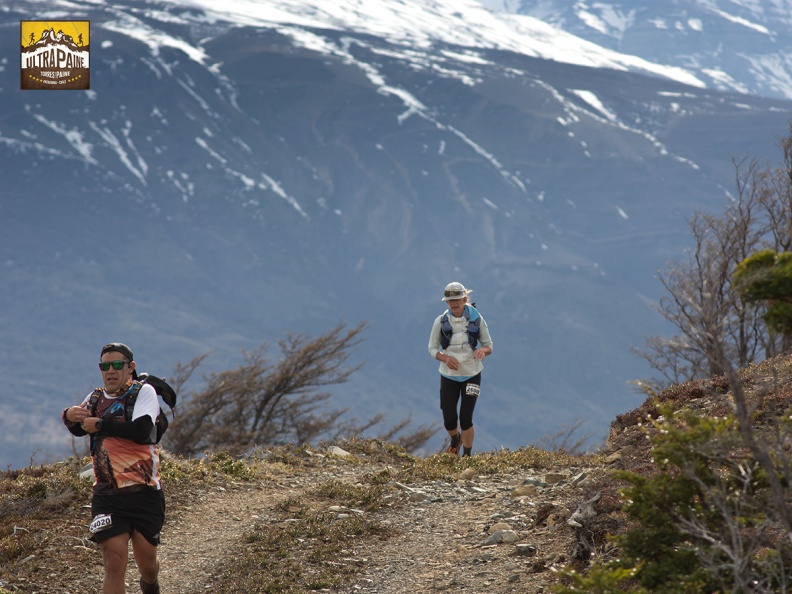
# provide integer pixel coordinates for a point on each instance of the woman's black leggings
(450, 393)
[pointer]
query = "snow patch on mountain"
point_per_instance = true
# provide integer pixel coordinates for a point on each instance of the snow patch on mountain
(138, 168)
(131, 26)
(741, 21)
(609, 22)
(421, 24)
(775, 71)
(74, 137)
(594, 101)
(739, 45)
(276, 187)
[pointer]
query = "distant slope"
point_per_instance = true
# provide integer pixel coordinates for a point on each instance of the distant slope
(224, 183)
(739, 45)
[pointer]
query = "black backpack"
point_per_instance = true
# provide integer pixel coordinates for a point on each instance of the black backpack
(163, 390)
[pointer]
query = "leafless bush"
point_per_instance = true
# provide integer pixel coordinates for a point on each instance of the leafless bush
(264, 402)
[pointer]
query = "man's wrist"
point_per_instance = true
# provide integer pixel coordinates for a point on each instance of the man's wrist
(65, 418)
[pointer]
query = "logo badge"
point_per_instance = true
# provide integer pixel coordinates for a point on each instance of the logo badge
(55, 55)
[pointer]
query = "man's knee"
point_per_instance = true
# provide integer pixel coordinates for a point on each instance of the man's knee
(148, 565)
(145, 557)
(115, 553)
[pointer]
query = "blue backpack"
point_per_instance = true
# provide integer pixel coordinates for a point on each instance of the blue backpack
(473, 329)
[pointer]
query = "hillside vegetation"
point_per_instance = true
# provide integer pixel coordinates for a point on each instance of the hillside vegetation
(365, 516)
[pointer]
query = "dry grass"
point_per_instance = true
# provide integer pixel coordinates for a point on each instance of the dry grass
(311, 542)
(305, 547)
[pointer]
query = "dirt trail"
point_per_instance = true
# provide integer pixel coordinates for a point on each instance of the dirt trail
(440, 529)
(194, 544)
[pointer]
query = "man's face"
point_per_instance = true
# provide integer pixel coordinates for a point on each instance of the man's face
(457, 306)
(115, 378)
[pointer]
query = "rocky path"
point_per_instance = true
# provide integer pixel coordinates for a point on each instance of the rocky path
(494, 534)
(195, 545)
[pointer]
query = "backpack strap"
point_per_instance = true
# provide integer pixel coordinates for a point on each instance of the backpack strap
(129, 407)
(93, 401)
(131, 398)
(473, 329)
(446, 331)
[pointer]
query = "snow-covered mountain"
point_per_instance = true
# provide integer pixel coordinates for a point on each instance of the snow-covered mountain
(734, 45)
(246, 169)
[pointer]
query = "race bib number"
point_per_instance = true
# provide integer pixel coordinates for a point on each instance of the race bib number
(472, 390)
(101, 522)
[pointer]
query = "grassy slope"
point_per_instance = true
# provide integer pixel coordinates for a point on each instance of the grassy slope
(44, 514)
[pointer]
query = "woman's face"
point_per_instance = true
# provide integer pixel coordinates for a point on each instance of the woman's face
(457, 306)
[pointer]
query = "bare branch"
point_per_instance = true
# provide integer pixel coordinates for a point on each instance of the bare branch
(264, 402)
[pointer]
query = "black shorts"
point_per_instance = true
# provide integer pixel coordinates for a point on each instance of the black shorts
(139, 511)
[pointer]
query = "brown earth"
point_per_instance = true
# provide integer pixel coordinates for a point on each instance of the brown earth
(439, 544)
(438, 540)
(442, 532)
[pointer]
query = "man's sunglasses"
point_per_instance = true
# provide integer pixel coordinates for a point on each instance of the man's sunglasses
(455, 293)
(117, 365)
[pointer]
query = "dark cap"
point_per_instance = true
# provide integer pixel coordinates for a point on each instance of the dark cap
(117, 347)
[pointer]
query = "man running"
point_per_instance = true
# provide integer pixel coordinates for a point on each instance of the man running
(127, 504)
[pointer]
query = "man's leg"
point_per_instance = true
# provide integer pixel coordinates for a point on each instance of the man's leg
(115, 554)
(146, 558)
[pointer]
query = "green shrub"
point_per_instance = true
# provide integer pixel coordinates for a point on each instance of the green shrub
(704, 522)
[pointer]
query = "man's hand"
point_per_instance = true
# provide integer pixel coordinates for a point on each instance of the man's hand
(81, 415)
(77, 414)
(89, 424)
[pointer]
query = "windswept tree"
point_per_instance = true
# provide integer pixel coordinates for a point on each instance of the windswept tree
(700, 298)
(766, 278)
(266, 402)
(713, 513)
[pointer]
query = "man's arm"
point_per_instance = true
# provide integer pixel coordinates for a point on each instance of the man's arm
(73, 417)
(138, 430)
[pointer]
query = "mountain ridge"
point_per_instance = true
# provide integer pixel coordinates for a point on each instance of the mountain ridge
(280, 189)
(737, 46)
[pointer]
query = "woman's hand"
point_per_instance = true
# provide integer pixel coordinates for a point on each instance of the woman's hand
(451, 362)
(481, 353)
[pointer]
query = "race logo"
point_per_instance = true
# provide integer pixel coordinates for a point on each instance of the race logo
(55, 55)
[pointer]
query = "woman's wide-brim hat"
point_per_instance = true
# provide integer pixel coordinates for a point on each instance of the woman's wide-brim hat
(455, 291)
